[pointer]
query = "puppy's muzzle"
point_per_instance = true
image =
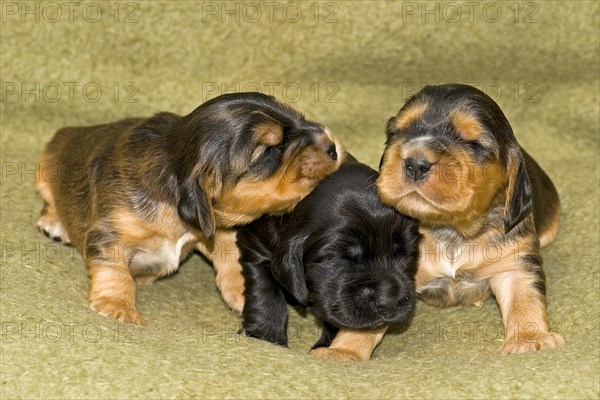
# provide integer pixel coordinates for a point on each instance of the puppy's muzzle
(389, 297)
(416, 168)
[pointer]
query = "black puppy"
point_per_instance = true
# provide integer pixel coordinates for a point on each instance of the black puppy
(341, 252)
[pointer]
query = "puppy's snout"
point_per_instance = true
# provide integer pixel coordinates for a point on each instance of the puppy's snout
(320, 158)
(385, 305)
(416, 168)
(390, 295)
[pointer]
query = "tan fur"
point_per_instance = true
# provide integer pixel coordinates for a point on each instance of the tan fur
(112, 292)
(351, 345)
(407, 117)
(457, 274)
(466, 125)
(269, 134)
(549, 234)
(525, 321)
(224, 254)
(127, 240)
(481, 254)
(49, 220)
(248, 201)
(456, 191)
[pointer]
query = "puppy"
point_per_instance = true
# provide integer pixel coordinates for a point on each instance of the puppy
(485, 206)
(341, 252)
(135, 196)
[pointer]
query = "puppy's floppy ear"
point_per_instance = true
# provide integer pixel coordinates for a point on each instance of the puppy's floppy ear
(287, 267)
(195, 208)
(389, 133)
(389, 128)
(518, 191)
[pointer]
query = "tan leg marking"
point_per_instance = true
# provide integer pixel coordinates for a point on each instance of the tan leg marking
(351, 345)
(112, 292)
(523, 313)
(225, 258)
(207, 248)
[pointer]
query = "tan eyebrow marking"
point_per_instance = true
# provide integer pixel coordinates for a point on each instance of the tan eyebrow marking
(466, 125)
(410, 115)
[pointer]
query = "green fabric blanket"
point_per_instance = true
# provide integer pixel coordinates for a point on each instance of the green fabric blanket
(349, 65)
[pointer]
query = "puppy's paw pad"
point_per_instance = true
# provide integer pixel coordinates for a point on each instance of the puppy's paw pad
(232, 291)
(537, 342)
(116, 310)
(53, 229)
(328, 353)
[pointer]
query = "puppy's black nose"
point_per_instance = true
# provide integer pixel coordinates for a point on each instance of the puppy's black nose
(331, 152)
(388, 297)
(386, 305)
(416, 168)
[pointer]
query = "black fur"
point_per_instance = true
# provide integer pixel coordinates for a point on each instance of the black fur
(342, 253)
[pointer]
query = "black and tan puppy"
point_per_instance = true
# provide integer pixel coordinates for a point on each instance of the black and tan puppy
(135, 196)
(341, 252)
(485, 206)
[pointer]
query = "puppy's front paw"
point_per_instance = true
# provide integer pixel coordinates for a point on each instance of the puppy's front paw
(534, 342)
(115, 309)
(269, 334)
(232, 290)
(329, 353)
(51, 226)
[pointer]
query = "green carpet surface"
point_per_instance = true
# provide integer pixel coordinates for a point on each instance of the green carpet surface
(349, 65)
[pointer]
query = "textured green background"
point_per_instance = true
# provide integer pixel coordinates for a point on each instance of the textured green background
(367, 57)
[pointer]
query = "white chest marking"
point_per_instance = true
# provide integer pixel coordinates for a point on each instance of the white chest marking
(448, 268)
(451, 258)
(166, 255)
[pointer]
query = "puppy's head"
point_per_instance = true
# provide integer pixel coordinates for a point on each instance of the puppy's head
(243, 155)
(356, 264)
(450, 155)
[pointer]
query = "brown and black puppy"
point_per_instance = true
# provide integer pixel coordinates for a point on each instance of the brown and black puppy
(135, 196)
(485, 206)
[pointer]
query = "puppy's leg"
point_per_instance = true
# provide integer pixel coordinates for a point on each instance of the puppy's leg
(265, 309)
(112, 288)
(206, 248)
(521, 296)
(439, 292)
(112, 292)
(49, 223)
(351, 345)
(228, 270)
(447, 292)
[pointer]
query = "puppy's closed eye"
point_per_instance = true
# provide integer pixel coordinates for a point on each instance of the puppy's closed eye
(273, 151)
(267, 157)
